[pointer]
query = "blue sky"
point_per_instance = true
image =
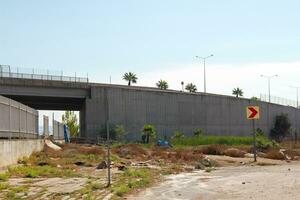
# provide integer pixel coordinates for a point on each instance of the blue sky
(158, 39)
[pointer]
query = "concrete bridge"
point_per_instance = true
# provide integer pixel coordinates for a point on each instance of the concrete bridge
(133, 107)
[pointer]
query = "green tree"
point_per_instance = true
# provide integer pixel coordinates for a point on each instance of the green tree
(130, 77)
(191, 87)
(237, 92)
(162, 84)
(70, 119)
(120, 131)
(148, 133)
(282, 127)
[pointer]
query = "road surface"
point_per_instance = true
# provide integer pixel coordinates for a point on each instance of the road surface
(230, 183)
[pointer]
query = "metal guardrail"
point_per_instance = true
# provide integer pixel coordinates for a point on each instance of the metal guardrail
(8, 72)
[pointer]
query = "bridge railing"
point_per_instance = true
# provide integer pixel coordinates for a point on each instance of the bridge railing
(8, 72)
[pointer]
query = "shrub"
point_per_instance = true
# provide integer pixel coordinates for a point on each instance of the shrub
(148, 133)
(120, 132)
(178, 135)
(262, 142)
(282, 127)
(197, 132)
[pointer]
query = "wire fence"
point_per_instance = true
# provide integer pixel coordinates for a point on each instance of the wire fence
(7, 71)
(278, 100)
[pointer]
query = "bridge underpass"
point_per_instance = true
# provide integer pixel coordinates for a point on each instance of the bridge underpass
(48, 95)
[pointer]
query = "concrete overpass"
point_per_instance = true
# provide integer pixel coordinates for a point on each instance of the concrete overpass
(133, 107)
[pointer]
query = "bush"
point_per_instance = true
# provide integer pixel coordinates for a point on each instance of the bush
(262, 142)
(197, 132)
(178, 135)
(282, 127)
(148, 133)
(120, 131)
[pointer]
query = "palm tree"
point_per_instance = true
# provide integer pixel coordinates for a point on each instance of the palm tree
(130, 77)
(162, 84)
(191, 87)
(237, 92)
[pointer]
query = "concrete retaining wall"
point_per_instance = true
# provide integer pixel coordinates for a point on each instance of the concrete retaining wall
(169, 111)
(12, 150)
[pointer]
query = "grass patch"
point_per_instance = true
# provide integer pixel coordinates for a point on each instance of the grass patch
(209, 139)
(132, 179)
(3, 186)
(40, 171)
(3, 177)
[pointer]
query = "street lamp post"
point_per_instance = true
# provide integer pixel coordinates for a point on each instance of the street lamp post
(297, 90)
(204, 62)
(269, 84)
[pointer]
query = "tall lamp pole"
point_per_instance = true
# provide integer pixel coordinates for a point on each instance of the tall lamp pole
(204, 62)
(297, 89)
(269, 84)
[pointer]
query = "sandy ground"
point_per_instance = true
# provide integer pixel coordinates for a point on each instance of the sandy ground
(275, 182)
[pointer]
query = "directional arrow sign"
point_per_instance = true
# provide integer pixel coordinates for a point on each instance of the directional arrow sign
(252, 112)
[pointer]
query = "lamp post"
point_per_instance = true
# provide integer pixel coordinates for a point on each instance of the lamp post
(269, 84)
(204, 62)
(297, 90)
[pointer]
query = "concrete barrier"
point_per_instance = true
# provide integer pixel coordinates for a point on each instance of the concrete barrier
(12, 150)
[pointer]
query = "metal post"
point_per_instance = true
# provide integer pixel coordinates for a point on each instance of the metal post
(108, 154)
(254, 140)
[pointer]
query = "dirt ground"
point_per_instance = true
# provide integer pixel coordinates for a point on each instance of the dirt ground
(264, 181)
(71, 173)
